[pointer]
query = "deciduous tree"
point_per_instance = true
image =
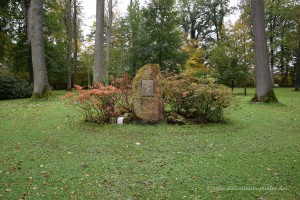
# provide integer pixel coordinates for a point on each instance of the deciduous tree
(263, 83)
(75, 38)
(203, 19)
(69, 40)
(297, 66)
(109, 34)
(41, 85)
(161, 39)
(99, 71)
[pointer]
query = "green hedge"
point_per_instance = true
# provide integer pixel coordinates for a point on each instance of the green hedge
(12, 87)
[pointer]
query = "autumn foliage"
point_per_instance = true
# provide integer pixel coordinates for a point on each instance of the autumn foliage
(103, 104)
(195, 100)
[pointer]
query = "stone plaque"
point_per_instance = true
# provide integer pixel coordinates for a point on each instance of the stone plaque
(147, 88)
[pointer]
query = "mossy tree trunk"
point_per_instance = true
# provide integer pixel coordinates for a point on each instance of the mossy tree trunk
(41, 86)
(263, 82)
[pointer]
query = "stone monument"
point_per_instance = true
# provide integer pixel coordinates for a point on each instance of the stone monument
(147, 94)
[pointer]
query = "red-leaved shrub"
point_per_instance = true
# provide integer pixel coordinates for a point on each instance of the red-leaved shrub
(103, 104)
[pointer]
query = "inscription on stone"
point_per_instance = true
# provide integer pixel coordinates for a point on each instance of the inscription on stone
(147, 88)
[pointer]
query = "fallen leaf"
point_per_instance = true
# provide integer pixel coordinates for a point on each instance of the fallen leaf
(84, 165)
(11, 169)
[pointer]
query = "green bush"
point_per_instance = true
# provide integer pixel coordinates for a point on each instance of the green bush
(196, 101)
(12, 87)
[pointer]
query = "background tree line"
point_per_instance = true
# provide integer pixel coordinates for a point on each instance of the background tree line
(175, 34)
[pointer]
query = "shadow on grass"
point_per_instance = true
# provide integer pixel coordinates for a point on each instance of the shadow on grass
(275, 105)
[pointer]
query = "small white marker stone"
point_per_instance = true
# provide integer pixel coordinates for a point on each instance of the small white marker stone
(120, 120)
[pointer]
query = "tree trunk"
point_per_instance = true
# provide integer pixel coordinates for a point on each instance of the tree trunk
(245, 67)
(272, 59)
(69, 49)
(109, 33)
(89, 76)
(99, 71)
(284, 69)
(26, 15)
(41, 87)
(263, 83)
(272, 21)
(30, 68)
(193, 28)
(75, 41)
(216, 22)
(134, 38)
(297, 66)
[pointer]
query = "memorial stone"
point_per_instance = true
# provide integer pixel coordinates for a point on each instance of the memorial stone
(147, 94)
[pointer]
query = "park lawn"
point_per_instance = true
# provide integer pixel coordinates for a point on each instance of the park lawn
(48, 152)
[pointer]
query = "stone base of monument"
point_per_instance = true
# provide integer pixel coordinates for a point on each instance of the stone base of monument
(174, 118)
(128, 117)
(147, 95)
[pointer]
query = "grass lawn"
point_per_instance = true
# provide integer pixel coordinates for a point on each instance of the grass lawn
(48, 152)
